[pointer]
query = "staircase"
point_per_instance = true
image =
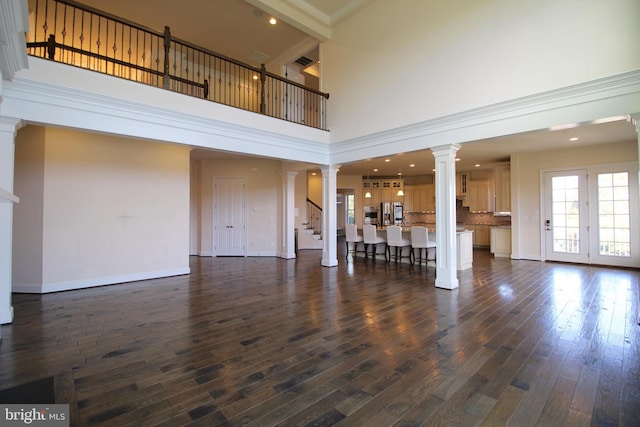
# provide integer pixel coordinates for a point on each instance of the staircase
(311, 237)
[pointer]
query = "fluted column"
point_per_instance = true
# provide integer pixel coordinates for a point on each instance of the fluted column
(329, 216)
(8, 129)
(446, 272)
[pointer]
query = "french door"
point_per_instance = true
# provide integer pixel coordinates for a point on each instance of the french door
(229, 217)
(591, 215)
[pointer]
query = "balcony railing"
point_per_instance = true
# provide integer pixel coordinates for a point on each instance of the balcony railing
(74, 34)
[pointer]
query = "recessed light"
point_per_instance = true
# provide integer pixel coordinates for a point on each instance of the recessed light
(255, 77)
(575, 138)
(477, 165)
(273, 21)
(457, 159)
(375, 170)
(412, 165)
(433, 170)
(387, 160)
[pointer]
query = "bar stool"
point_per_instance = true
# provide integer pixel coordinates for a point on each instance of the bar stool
(420, 240)
(352, 236)
(371, 238)
(395, 240)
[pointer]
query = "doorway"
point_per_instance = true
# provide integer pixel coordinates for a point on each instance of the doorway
(588, 215)
(229, 217)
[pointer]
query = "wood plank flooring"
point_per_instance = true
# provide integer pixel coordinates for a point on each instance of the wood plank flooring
(267, 342)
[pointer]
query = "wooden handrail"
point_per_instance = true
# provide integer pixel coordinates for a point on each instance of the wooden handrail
(96, 40)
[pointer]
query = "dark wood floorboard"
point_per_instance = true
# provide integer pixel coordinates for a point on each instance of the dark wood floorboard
(268, 342)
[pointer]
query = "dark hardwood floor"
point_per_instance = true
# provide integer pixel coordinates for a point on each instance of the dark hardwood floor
(266, 341)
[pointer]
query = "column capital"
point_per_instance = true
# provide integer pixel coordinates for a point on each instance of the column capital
(326, 169)
(11, 125)
(289, 174)
(634, 119)
(445, 150)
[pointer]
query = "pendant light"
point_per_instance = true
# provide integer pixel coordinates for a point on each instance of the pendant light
(367, 195)
(400, 192)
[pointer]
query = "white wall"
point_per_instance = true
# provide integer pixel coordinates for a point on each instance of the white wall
(27, 218)
(114, 210)
(525, 184)
(389, 65)
(263, 181)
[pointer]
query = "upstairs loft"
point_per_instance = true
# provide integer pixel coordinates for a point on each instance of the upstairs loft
(74, 34)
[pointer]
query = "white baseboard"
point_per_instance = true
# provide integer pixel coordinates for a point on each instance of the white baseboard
(6, 317)
(259, 253)
(528, 257)
(97, 281)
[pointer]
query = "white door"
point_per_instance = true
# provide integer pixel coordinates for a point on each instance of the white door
(229, 217)
(615, 234)
(566, 221)
(588, 215)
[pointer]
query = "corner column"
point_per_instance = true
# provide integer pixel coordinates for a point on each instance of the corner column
(8, 129)
(635, 120)
(329, 216)
(446, 272)
(287, 248)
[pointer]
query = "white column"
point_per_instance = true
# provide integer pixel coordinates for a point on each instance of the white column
(635, 119)
(446, 272)
(287, 248)
(329, 216)
(8, 129)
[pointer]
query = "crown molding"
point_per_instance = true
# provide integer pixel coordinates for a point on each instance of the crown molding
(14, 23)
(614, 96)
(200, 123)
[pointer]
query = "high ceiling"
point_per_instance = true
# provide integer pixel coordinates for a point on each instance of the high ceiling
(240, 29)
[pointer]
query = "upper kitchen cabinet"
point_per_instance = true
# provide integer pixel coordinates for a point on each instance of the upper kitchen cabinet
(479, 196)
(420, 198)
(503, 189)
(382, 191)
(461, 183)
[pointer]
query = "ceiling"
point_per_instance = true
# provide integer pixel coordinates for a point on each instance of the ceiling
(490, 153)
(240, 29)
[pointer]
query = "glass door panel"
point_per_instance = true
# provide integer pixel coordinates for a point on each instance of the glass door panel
(567, 218)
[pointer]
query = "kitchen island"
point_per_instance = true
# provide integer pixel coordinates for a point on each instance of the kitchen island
(464, 246)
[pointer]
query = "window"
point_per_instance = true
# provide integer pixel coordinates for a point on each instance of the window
(614, 234)
(351, 209)
(566, 214)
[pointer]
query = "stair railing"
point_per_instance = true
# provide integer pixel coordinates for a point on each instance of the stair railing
(75, 34)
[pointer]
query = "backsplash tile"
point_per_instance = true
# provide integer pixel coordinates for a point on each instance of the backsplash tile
(463, 216)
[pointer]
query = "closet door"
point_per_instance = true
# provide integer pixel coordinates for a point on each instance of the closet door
(229, 217)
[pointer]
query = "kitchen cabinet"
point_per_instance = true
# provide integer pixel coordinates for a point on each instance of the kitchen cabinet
(501, 241)
(464, 250)
(382, 190)
(462, 178)
(420, 198)
(481, 235)
(407, 203)
(503, 189)
(479, 195)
